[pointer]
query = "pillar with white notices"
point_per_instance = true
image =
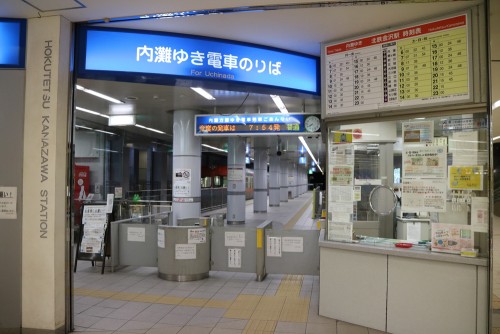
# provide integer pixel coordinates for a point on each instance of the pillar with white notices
(283, 179)
(186, 167)
(274, 179)
(236, 172)
(260, 176)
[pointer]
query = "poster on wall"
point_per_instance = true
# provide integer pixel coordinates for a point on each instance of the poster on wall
(182, 182)
(197, 235)
(342, 154)
(479, 214)
(273, 246)
(423, 195)
(340, 231)
(451, 238)
(424, 161)
(465, 177)
(8, 202)
(185, 251)
(418, 132)
(235, 174)
(341, 175)
(234, 239)
(234, 258)
(414, 65)
(464, 148)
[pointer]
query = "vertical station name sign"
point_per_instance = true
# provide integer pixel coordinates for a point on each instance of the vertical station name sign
(159, 55)
(12, 43)
(417, 65)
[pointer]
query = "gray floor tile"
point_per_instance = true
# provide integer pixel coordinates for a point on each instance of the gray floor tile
(201, 321)
(185, 310)
(86, 321)
(133, 324)
(112, 303)
(218, 330)
(232, 323)
(318, 328)
(164, 330)
(195, 330)
(175, 319)
(290, 327)
(98, 311)
(211, 312)
(154, 313)
(109, 324)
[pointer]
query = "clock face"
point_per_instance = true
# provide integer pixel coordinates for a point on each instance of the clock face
(312, 123)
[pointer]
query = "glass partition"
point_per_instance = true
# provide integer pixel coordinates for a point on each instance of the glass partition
(422, 181)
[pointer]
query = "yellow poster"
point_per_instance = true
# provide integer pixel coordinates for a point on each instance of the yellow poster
(342, 136)
(465, 177)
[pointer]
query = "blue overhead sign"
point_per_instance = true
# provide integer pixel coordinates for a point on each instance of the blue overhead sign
(12, 43)
(257, 124)
(198, 58)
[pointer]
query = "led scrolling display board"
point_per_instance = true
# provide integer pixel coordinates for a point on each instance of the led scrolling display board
(413, 66)
(160, 57)
(257, 124)
(12, 43)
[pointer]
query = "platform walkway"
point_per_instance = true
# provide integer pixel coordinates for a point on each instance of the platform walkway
(136, 300)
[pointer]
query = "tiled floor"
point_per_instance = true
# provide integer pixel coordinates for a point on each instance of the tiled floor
(135, 300)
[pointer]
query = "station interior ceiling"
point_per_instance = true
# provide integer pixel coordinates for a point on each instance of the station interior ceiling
(300, 26)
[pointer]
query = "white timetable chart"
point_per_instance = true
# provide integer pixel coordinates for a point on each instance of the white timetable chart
(416, 65)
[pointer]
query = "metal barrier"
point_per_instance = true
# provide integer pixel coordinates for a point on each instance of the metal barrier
(261, 250)
(134, 240)
(213, 198)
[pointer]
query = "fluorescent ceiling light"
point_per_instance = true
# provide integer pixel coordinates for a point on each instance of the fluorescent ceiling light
(100, 95)
(310, 153)
(91, 112)
(279, 103)
(203, 93)
(496, 138)
(87, 128)
(105, 150)
(149, 129)
(121, 120)
(214, 148)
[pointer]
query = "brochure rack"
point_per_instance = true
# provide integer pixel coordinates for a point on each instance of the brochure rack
(93, 239)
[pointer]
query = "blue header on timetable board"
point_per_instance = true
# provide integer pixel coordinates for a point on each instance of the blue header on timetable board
(196, 58)
(12, 43)
(252, 124)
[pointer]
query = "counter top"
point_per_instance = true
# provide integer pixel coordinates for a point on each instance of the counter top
(415, 253)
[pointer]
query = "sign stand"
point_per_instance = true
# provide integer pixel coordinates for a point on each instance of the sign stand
(93, 239)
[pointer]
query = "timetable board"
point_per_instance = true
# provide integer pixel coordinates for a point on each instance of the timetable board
(416, 65)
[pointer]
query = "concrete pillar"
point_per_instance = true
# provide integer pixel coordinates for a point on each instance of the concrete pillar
(236, 180)
(260, 176)
(283, 179)
(186, 165)
(274, 179)
(44, 211)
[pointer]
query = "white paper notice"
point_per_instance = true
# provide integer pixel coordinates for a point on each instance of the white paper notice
(94, 214)
(413, 231)
(234, 258)
(292, 244)
(161, 238)
(182, 183)
(357, 193)
(197, 235)
(464, 148)
(234, 239)
(424, 161)
(109, 203)
(235, 174)
(479, 214)
(341, 175)
(136, 234)
(185, 251)
(341, 194)
(340, 231)
(424, 195)
(8, 202)
(118, 192)
(274, 246)
(90, 245)
(418, 132)
(342, 154)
